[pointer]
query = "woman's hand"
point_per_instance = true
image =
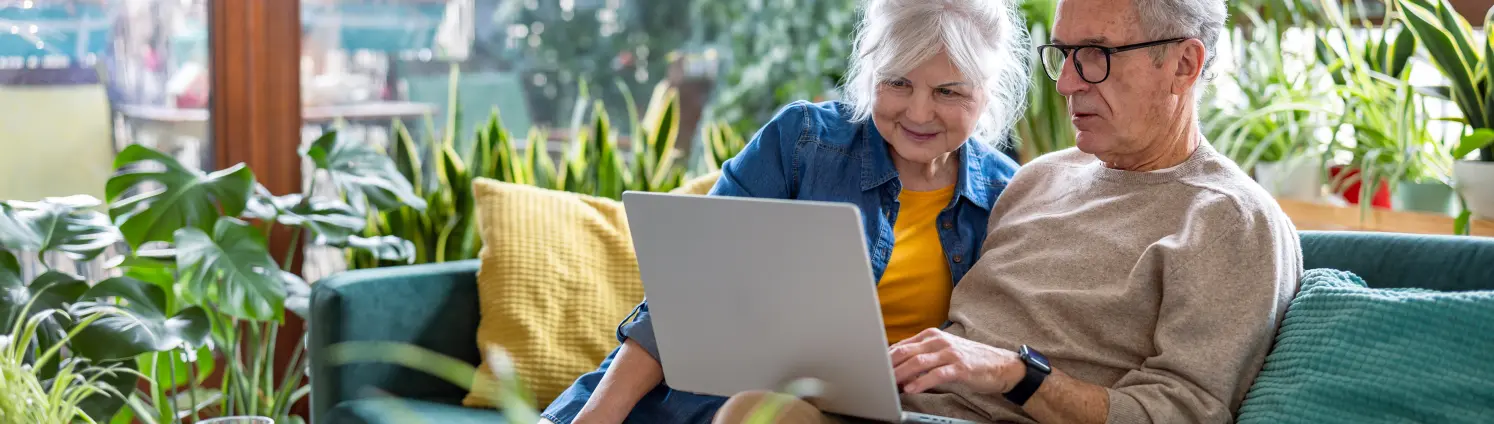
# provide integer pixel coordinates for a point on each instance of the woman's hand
(935, 357)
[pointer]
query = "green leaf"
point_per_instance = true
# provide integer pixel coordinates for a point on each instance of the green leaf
(540, 163)
(118, 376)
(1461, 224)
(362, 173)
(230, 271)
(1480, 138)
(10, 279)
(126, 415)
(65, 224)
(173, 198)
(143, 325)
(1438, 92)
(406, 156)
(1445, 53)
(331, 219)
(297, 295)
(53, 290)
(1400, 54)
(179, 362)
(264, 205)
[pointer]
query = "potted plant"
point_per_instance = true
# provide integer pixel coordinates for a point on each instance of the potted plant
(1464, 59)
(1286, 105)
(198, 292)
(1393, 156)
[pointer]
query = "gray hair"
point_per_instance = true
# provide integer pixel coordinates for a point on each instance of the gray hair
(1201, 19)
(985, 39)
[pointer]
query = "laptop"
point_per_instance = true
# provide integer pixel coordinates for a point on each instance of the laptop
(752, 294)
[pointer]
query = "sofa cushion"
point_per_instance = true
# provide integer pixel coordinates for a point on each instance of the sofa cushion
(1350, 353)
(557, 275)
(394, 410)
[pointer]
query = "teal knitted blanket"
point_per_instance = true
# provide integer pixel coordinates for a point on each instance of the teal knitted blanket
(1347, 353)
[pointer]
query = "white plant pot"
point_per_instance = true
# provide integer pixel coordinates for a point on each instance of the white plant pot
(1475, 181)
(1291, 179)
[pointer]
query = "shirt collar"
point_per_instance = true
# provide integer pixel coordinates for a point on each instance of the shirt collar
(877, 168)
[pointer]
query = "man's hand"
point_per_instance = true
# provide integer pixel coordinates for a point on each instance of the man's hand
(935, 357)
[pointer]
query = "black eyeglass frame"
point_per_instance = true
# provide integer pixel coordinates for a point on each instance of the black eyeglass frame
(1069, 49)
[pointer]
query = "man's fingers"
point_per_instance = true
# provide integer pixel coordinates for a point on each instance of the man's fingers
(920, 337)
(943, 374)
(917, 365)
(921, 343)
(901, 353)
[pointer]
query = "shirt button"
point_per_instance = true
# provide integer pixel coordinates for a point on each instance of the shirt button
(959, 258)
(948, 225)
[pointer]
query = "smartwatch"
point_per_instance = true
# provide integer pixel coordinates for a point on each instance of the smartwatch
(1037, 370)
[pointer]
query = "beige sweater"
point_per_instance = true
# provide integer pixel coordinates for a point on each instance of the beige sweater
(1165, 287)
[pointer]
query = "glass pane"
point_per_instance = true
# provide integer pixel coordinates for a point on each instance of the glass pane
(82, 79)
(541, 66)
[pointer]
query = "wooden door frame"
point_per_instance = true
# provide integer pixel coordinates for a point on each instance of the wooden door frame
(255, 119)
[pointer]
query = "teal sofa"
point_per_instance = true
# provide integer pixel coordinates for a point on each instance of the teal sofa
(435, 306)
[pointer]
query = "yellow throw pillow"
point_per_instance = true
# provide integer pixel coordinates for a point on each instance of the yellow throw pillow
(558, 274)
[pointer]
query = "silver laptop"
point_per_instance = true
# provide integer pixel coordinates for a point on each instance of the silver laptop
(751, 294)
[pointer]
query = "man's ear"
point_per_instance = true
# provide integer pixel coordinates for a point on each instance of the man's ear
(1190, 65)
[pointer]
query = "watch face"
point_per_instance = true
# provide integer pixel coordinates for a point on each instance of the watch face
(1036, 358)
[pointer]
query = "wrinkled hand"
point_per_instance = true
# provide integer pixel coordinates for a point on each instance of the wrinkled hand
(934, 357)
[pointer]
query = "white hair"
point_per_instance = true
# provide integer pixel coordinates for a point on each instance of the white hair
(1201, 19)
(986, 40)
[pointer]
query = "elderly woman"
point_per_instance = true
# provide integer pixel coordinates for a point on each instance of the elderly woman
(933, 87)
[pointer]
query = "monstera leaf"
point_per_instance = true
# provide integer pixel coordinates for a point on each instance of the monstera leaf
(137, 326)
(172, 198)
(331, 219)
(387, 248)
(65, 224)
(362, 173)
(52, 290)
(231, 270)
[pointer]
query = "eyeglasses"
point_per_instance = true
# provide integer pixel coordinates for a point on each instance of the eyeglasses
(1091, 61)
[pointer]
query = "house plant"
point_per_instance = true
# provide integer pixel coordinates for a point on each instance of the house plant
(1286, 107)
(198, 289)
(44, 386)
(594, 163)
(1464, 59)
(1393, 152)
(199, 247)
(68, 332)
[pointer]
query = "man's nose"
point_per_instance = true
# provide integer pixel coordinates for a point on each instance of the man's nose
(1069, 82)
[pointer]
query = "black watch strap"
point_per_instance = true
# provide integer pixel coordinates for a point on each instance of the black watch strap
(1028, 386)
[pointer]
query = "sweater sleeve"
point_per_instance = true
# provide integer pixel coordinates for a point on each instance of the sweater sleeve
(1220, 308)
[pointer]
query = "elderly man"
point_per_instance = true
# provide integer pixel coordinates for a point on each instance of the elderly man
(1147, 268)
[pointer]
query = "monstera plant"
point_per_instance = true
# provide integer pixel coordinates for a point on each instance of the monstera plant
(46, 371)
(198, 290)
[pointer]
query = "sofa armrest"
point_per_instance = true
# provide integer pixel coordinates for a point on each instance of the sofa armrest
(433, 306)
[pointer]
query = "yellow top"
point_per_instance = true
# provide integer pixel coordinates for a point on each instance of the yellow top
(914, 291)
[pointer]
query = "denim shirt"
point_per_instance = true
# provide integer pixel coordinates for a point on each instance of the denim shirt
(813, 151)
